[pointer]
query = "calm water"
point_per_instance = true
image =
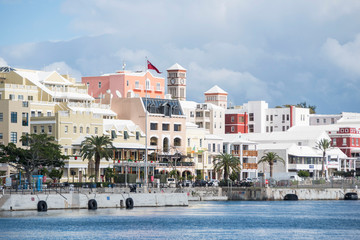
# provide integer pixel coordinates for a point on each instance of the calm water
(203, 220)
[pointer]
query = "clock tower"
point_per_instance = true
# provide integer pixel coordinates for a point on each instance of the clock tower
(176, 82)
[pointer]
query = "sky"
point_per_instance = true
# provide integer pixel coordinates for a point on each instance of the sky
(282, 52)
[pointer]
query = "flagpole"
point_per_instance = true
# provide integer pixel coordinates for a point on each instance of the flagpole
(146, 127)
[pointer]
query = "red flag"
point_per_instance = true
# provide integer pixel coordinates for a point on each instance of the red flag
(150, 66)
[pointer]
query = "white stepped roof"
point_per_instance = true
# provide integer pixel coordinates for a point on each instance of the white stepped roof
(176, 66)
(215, 89)
(120, 125)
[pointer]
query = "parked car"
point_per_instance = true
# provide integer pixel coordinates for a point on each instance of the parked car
(170, 182)
(186, 183)
(214, 183)
(200, 183)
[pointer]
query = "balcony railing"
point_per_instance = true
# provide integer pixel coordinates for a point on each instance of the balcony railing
(250, 166)
(250, 153)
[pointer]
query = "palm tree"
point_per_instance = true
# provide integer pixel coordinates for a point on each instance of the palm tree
(270, 158)
(226, 162)
(97, 147)
(323, 145)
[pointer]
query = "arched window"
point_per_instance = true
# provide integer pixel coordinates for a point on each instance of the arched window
(153, 141)
(177, 142)
(166, 145)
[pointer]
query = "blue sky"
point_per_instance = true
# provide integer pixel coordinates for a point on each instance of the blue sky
(283, 52)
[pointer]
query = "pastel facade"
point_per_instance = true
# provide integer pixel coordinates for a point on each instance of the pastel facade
(347, 139)
(126, 84)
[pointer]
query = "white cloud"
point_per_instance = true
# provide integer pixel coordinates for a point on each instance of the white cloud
(241, 86)
(3, 63)
(346, 56)
(63, 68)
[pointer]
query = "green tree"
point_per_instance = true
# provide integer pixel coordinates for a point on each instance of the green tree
(303, 173)
(304, 105)
(226, 162)
(97, 147)
(270, 158)
(109, 173)
(41, 152)
(323, 145)
(56, 174)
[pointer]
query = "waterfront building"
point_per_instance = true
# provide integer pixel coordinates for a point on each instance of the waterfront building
(328, 119)
(165, 124)
(245, 150)
(125, 84)
(347, 139)
(257, 117)
(47, 102)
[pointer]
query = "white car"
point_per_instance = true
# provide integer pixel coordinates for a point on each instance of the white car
(171, 182)
(214, 182)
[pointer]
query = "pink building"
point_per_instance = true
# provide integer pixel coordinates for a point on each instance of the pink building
(126, 84)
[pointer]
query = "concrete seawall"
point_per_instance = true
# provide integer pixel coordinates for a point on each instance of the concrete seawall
(279, 193)
(80, 200)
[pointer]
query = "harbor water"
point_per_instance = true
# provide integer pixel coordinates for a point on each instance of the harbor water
(200, 220)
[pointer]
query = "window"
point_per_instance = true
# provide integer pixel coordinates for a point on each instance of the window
(13, 137)
(353, 141)
(153, 141)
(66, 129)
(218, 147)
(283, 117)
(177, 142)
(74, 129)
(200, 142)
(88, 84)
(317, 120)
(177, 127)
(99, 84)
(188, 140)
(126, 135)
(199, 158)
(158, 87)
(81, 129)
(49, 129)
(209, 147)
(241, 119)
(87, 130)
(14, 117)
(165, 127)
(267, 128)
(324, 120)
(344, 141)
(357, 142)
(251, 117)
(232, 119)
(209, 159)
(267, 117)
(96, 130)
(137, 85)
(42, 129)
(1, 117)
(271, 118)
(21, 97)
(48, 114)
(32, 113)
(287, 117)
(271, 129)
(213, 147)
(153, 126)
(113, 134)
(137, 135)
(11, 96)
(232, 129)
(30, 98)
(251, 128)
(35, 129)
(1, 136)
(283, 128)
(39, 113)
(191, 114)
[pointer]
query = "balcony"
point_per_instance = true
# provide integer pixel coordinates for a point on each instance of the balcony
(250, 153)
(250, 166)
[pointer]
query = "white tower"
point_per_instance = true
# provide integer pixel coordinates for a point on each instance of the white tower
(177, 82)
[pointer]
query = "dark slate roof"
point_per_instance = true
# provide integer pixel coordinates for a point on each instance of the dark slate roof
(167, 107)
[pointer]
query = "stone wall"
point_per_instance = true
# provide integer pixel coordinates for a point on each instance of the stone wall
(80, 200)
